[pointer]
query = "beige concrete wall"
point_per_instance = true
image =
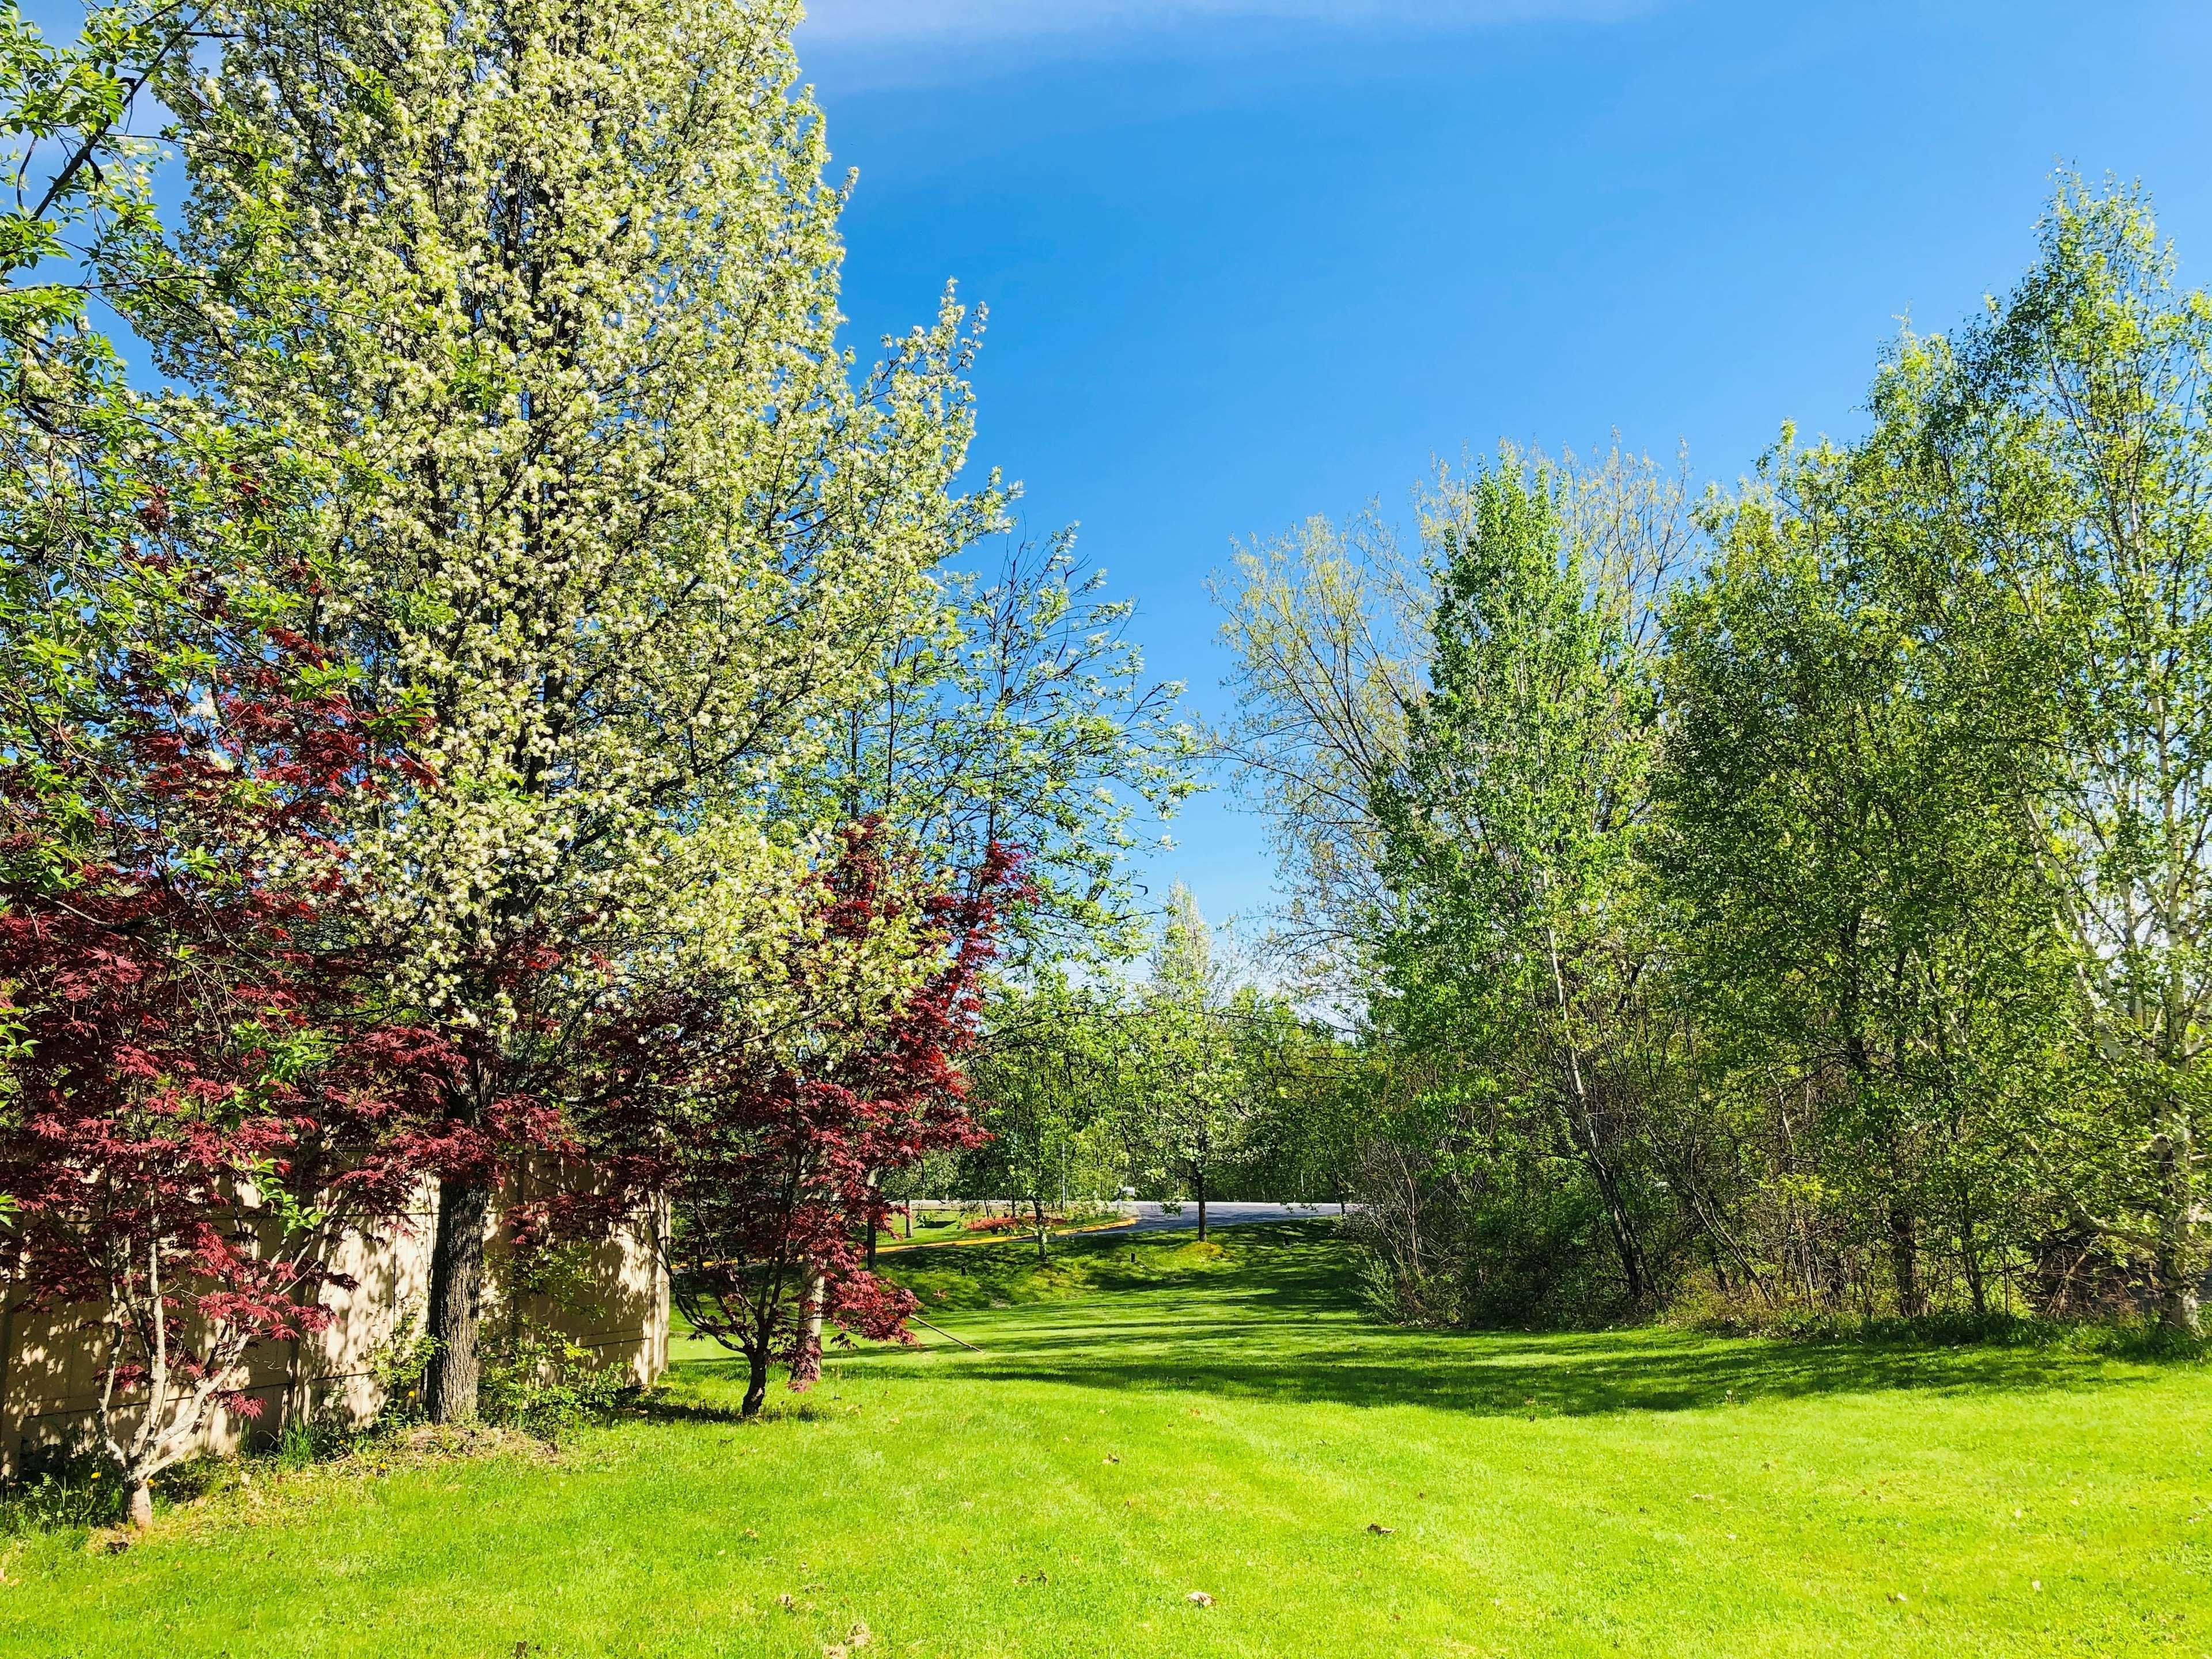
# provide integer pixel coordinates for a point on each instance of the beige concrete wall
(51, 1366)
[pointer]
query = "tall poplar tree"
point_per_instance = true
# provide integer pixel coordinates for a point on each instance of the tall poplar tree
(1512, 831)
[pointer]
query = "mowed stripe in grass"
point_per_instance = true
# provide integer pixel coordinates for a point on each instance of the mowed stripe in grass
(1150, 1418)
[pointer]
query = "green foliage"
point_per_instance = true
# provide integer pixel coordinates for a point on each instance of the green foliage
(1047, 1083)
(544, 1383)
(71, 1496)
(78, 175)
(397, 1367)
(1512, 838)
(1189, 1080)
(1016, 710)
(1813, 888)
(1936, 805)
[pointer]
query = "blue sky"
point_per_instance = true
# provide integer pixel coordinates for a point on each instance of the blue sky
(1249, 260)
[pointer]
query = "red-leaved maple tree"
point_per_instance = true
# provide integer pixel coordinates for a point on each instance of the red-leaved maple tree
(768, 1167)
(199, 1099)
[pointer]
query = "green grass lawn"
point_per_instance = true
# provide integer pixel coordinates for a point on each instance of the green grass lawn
(1150, 1417)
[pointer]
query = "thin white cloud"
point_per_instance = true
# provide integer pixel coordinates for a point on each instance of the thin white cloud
(892, 22)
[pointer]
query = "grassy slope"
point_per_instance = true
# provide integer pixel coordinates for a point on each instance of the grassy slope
(1642, 1492)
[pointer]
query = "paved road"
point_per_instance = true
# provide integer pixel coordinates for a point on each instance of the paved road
(1151, 1220)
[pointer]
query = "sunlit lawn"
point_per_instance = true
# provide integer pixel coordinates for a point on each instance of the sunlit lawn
(1171, 1419)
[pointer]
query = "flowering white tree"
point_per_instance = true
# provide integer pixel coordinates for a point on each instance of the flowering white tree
(551, 291)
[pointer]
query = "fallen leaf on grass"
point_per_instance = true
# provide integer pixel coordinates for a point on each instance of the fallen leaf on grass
(859, 1635)
(1110, 1458)
(1199, 1598)
(1377, 1527)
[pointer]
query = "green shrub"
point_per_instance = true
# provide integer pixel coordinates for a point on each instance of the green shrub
(73, 1494)
(545, 1383)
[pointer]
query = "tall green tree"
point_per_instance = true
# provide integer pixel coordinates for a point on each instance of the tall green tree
(2065, 439)
(1859, 934)
(1190, 1103)
(1514, 829)
(1049, 1086)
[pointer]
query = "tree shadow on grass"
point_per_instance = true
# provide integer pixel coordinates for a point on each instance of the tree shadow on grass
(662, 1409)
(1279, 1320)
(1489, 1375)
(1296, 1265)
(659, 1408)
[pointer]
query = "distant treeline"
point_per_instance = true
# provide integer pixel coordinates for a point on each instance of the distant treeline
(1794, 896)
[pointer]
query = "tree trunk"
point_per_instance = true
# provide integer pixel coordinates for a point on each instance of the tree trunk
(1201, 1204)
(138, 1503)
(456, 1272)
(756, 1384)
(1042, 1230)
(2175, 1262)
(1904, 1261)
(875, 1179)
(1970, 1259)
(1583, 1127)
(806, 1363)
(1626, 1243)
(1582, 1134)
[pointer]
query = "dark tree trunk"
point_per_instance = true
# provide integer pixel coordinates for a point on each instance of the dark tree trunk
(1720, 1269)
(1970, 1254)
(1904, 1261)
(1583, 1132)
(1626, 1243)
(756, 1383)
(1042, 1230)
(456, 1277)
(1201, 1204)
